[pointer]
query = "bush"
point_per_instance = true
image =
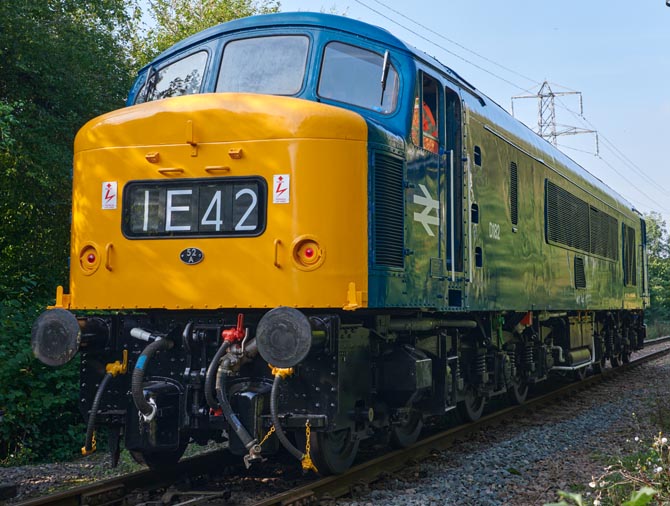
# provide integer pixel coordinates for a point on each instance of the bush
(41, 420)
(634, 480)
(640, 497)
(658, 328)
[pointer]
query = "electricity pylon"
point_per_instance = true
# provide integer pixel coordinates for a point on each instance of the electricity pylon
(547, 128)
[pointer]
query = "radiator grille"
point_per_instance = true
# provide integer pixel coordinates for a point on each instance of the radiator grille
(603, 234)
(388, 223)
(572, 222)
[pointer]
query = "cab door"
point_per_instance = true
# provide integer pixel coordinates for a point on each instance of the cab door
(455, 217)
(425, 265)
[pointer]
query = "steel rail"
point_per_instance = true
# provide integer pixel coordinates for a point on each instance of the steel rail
(115, 490)
(365, 473)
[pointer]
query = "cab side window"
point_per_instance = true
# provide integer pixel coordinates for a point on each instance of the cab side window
(425, 131)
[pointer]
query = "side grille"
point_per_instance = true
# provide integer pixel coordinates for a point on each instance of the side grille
(388, 211)
(629, 263)
(513, 195)
(603, 234)
(574, 223)
(567, 218)
(580, 276)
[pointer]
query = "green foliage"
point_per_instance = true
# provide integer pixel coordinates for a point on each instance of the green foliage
(634, 480)
(61, 64)
(41, 419)
(658, 247)
(573, 498)
(174, 20)
(657, 236)
(640, 497)
(657, 328)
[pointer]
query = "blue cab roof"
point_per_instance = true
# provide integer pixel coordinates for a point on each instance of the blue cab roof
(314, 19)
(307, 19)
(380, 35)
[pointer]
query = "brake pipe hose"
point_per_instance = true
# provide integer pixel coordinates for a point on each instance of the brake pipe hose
(147, 410)
(279, 374)
(210, 377)
(230, 416)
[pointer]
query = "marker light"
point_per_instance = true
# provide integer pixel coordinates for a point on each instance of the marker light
(89, 259)
(307, 253)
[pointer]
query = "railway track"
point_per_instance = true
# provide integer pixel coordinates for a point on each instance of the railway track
(120, 490)
(361, 475)
(140, 488)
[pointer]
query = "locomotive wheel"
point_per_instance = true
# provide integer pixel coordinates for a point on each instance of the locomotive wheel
(625, 356)
(159, 461)
(472, 407)
(333, 452)
(615, 360)
(580, 373)
(406, 434)
(518, 392)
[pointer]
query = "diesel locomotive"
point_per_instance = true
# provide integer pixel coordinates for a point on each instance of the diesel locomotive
(301, 225)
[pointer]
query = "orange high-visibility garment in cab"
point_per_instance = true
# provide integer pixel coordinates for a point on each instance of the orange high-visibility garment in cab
(430, 133)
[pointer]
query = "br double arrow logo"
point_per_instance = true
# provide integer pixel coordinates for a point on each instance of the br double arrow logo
(426, 217)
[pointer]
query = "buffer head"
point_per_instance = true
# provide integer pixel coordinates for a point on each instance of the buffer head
(284, 337)
(55, 337)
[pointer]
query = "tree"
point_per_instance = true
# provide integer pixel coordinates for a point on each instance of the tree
(61, 63)
(174, 20)
(658, 249)
(657, 236)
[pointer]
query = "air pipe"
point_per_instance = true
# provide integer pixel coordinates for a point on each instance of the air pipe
(147, 409)
(232, 336)
(249, 443)
(210, 376)
(275, 417)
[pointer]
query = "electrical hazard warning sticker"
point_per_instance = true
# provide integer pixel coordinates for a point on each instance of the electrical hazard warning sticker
(109, 195)
(281, 188)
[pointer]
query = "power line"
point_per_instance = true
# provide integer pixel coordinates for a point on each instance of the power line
(443, 37)
(660, 206)
(564, 146)
(617, 153)
(441, 47)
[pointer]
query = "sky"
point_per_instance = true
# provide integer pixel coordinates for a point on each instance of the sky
(616, 53)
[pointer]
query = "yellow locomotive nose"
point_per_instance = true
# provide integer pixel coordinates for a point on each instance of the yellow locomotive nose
(224, 200)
